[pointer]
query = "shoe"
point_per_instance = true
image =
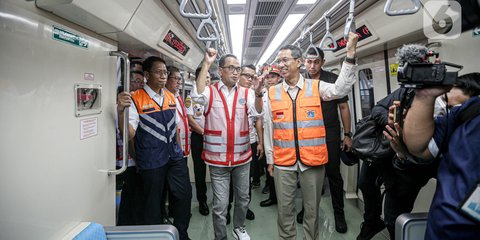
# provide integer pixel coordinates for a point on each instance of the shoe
(250, 214)
(340, 224)
(255, 184)
(368, 230)
(267, 203)
(266, 189)
(166, 221)
(228, 217)
(300, 217)
(240, 233)
(203, 208)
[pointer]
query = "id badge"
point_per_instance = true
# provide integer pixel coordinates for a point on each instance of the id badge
(471, 204)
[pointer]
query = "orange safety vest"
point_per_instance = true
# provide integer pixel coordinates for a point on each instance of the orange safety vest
(226, 140)
(298, 128)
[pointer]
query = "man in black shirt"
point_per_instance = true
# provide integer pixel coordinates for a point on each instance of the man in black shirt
(314, 61)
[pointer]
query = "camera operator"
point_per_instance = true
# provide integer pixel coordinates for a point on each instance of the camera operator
(458, 173)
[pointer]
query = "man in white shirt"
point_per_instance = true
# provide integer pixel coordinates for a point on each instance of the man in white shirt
(226, 139)
(294, 136)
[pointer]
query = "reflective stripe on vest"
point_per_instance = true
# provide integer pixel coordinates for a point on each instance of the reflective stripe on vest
(303, 139)
(183, 127)
(155, 138)
(226, 138)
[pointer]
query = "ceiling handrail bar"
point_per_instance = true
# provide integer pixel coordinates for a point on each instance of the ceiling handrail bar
(350, 22)
(327, 13)
(400, 12)
(206, 15)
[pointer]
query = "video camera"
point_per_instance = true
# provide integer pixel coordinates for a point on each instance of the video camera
(425, 74)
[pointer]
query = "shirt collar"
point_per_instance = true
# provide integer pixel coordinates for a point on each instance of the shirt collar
(299, 83)
(151, 93)
(221, 84)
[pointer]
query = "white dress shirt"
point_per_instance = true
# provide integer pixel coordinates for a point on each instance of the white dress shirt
(204, 98)
(328, 91)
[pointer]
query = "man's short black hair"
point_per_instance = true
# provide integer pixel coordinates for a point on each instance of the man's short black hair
(148, 63)
(251, 66)
(311, 51)
(197, 72)
(469, 84)
(171, 70)
(136, 62)
(221, 62)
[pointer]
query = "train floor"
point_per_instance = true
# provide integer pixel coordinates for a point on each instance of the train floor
(264, 226)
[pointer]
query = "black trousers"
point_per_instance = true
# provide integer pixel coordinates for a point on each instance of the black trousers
(269, 179)
(335, 181)
(176, 175)
(401, 190)
(131, 210)
(255, 165)
(199, 167)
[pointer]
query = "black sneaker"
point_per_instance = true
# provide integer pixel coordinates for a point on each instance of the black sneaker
(255, 184)
(369, 230)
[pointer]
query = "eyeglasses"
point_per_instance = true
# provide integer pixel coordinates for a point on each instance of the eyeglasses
(160, 72)
(176, 78)
(248, 76)
(232, 68)
(284, 60)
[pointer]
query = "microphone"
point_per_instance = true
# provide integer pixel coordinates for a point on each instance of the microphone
(411, 53)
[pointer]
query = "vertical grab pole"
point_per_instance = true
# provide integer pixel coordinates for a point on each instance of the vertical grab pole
(126, 88)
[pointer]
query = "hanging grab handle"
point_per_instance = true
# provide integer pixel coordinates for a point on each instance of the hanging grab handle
(328, 35)
(400, 12)
(311, 46)
(208, 14)
(350, 22)
(126, 88)
(213, 36)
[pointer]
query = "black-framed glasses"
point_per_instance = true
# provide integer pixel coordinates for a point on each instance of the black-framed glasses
(248, 76)
(160, 72)
(284, 60)
(176, 78)
(232, 68)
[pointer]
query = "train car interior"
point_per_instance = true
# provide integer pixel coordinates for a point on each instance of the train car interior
(63, 63)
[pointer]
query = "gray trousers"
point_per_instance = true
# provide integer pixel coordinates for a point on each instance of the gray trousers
(220, 177)
(311, 183)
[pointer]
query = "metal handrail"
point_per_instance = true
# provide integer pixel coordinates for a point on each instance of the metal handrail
(208, 14)
(126, 88)
(213, 36)
(350, 22)
(317, 54)
(400, 12)
(328, 35)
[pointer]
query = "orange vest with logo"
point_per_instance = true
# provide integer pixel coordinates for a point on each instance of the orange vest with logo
(298, 128)
(226, 139)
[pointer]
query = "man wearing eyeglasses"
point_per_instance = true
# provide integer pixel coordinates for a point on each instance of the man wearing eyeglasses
(313, 63)
(159, 156)
(226, 147)
(294, 136)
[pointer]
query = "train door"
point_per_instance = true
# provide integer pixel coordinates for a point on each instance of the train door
(58, 124)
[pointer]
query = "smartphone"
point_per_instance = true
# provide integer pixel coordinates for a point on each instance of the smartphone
(397, 114)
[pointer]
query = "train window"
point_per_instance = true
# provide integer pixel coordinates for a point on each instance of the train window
(367, 100)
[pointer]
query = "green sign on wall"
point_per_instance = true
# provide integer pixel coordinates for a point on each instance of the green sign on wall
(68, 37)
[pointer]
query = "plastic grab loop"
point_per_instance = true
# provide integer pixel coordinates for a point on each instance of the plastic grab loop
(328, 35)
(311, 46)
(350, 22)
(208, 14)
(213, 36)
(400, 12)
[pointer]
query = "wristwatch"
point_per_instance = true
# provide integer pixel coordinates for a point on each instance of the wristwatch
(348, 134)
(351, 60)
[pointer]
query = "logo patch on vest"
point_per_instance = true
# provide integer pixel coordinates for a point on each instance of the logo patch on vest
(188, 102)
(242, 101)
(147, 106)
(279, 115)
(310, 114)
